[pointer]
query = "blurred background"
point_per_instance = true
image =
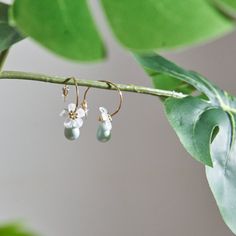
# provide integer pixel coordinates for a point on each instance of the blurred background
(140, 183)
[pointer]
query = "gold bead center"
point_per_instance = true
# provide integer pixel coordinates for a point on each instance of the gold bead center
(73, 115)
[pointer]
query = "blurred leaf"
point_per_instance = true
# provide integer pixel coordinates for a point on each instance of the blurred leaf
(8, 34)
(14, 230)
(230, 3)
(147, 25)
(226, 5)
(206, 128)
(3, 12)
(63, 26)
(66, 26)
(3, 56)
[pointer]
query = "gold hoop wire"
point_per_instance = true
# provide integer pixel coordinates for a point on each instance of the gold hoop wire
(110, 84)
(76, 90)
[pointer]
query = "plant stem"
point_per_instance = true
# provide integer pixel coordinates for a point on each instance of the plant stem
(89, 83)
(3, 56)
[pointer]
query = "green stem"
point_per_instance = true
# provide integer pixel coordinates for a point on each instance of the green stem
(89, 83)
(3, 56)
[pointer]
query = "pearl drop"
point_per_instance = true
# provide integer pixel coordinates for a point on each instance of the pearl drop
(103, 135)
(72, 133)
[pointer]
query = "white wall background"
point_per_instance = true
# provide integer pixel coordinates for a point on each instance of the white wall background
(141, 183)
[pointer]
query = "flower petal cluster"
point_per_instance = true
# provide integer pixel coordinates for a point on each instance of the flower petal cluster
(74, 116)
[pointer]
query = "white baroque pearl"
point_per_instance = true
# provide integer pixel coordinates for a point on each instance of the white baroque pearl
(103, 134)
(72, 133)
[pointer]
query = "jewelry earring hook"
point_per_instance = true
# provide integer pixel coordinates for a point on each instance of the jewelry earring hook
(110, 84)
(73, 113)
(104, 129)
(120, 95)
(66, 90)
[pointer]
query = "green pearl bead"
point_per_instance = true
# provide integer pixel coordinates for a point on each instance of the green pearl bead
(103, 135)
(72, 133)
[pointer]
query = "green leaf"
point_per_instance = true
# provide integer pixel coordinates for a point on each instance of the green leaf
(194, 121)
(63, 26)
(147, 25)
(169, 83)
(164, 81)
(227, 6)
(222, 177)
(186, 116)
(8, 34)
(3, 12)
(207, 130)
(156, 65)
(14, 230)
(230, 3)
(66, 26)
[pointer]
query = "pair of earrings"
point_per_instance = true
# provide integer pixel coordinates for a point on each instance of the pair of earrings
(75, 113)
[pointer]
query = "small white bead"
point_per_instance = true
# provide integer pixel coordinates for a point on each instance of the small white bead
(107, 125)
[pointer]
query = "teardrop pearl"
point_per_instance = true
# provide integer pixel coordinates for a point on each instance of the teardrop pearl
(103, 135)
(72, 133)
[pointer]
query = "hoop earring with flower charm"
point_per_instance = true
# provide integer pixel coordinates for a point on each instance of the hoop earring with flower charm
(74, 113)
(104, 129)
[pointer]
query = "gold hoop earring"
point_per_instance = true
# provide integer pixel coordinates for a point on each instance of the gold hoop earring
(104, 129)
(73, 113)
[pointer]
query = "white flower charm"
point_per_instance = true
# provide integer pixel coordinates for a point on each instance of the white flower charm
(104, 129)
(73, 121)
(84, 106)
